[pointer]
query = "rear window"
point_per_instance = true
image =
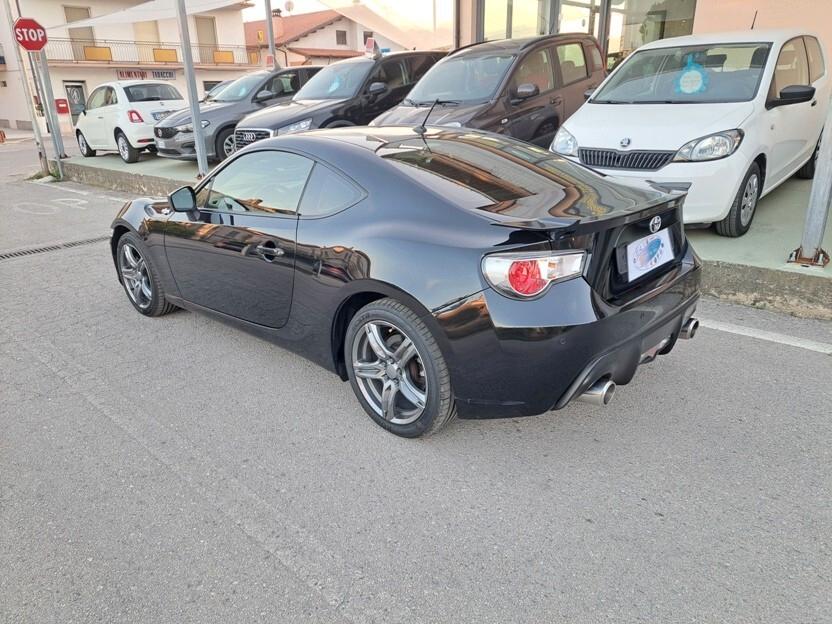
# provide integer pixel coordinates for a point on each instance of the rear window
(151, 93)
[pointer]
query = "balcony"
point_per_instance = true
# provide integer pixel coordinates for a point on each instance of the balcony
(113, 52)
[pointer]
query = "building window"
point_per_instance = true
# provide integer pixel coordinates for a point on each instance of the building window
(341, 37)
(368, 34)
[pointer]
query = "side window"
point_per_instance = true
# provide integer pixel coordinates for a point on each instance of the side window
(284, 84)
(792, 67)
(96, 99)
(418, 66)
(340, 37)
(258, 183)
(572, 62)
(535, 69)
(110, 96)
(392, 72)
(816, 67)
(595, 54)
(327, 192)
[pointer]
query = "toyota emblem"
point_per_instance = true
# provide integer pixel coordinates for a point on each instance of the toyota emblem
(655, 224)
(625, 142)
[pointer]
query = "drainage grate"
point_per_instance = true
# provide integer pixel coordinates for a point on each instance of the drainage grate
(31, 251)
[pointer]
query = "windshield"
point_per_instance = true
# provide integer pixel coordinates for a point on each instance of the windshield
(151, 93)
(687, 75)
(333, 82)
(238, 89)
(464, 79)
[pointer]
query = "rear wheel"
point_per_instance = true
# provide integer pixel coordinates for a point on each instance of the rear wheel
(807, 171)
(128, 153)
(139, 277)
(744, 207)
(86, 150)
(397, 371)
(225, 144)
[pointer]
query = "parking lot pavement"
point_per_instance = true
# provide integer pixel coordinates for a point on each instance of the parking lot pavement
(178, 470)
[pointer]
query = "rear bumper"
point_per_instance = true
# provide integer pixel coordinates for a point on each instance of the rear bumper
(564, 342)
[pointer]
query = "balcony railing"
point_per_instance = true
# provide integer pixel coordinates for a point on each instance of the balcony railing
(146, 52)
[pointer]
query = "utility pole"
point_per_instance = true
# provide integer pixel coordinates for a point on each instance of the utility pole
(270, 33)
(810, 252)
(27, 94)
(49, 106)
(188, 62)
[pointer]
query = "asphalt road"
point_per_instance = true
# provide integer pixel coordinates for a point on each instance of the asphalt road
(177, 470)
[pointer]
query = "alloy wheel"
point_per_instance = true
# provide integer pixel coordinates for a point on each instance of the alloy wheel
(749, 199)
(82, 143)
(123, 148)
(135, 276)
(228, 146)
(390, 372)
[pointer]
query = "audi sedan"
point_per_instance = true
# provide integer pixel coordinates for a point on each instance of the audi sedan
(440, 271)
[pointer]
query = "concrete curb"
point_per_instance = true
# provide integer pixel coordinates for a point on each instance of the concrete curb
(791, 292)
(138, 184)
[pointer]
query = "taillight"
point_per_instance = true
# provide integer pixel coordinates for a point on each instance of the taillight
(134, 117)
(527, 275)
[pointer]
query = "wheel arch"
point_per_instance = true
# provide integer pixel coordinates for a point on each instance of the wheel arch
(761, 163)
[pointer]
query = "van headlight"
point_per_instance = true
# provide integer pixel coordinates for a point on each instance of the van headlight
(711, 147)
(298, 126)
(564, 143)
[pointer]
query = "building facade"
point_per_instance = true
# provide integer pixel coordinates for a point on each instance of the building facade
(80, 58)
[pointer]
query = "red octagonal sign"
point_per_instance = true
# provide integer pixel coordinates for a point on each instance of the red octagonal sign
(29, 34)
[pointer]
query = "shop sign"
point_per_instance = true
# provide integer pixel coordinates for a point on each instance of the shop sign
(131, 74)
(164, 74)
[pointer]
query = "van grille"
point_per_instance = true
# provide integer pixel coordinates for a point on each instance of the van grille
(247, 137)
(611, 159)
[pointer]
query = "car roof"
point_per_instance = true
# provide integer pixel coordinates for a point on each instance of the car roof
(775, 36)
(514, 45)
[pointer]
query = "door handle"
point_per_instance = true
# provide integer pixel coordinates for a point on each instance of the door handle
(556, 100)
(814, 102)
(268, 251)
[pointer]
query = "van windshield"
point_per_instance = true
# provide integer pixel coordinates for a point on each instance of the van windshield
(700, 74)
(466, 78)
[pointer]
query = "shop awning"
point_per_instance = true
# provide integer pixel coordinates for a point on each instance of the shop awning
(152, 10)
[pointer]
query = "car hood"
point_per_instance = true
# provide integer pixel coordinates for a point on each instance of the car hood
(207, 110)
(440, 116)
(286, 113)
(653, 126)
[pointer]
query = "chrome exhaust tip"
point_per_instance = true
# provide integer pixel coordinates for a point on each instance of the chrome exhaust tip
(689, 329)
(600, 393)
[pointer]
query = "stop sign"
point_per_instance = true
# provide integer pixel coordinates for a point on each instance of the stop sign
(29, 34)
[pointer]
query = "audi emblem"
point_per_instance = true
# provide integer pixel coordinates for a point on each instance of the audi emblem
(249, 136)
(655, 224)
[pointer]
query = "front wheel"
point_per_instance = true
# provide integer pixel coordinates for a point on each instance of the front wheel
(128, 153)
(397, 370)
(744, 206)
(86, 150)
(139, 277)
(225, 144)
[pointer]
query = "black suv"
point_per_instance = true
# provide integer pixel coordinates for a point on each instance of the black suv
(347, 93)
(524, 88)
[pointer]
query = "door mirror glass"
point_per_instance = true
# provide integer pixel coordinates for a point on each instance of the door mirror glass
(263, 95)
(588, 93)
(183, 199)
(526, 90)
(377, 88)
(794, 94)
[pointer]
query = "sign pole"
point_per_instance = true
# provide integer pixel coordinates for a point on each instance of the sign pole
(190, 80)
(270, 33)
(50, 103)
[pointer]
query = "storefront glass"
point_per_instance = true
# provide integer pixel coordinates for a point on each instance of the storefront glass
(505, 19)
(636, 22)
(580, 16)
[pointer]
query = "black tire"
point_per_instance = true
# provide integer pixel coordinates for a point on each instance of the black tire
(738, 220)
(219, 148)
(86, 150)
(807, 171)
(545, 134)
(128, 153)
(156, 304)
(439, 405)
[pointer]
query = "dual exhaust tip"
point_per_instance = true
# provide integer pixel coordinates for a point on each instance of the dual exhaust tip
(603, 390)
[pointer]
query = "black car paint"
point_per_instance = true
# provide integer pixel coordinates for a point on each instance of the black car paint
(358, 110)
(405, 240)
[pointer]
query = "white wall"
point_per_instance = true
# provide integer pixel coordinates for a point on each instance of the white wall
(326, 38)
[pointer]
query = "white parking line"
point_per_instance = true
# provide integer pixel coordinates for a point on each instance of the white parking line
(761, 334)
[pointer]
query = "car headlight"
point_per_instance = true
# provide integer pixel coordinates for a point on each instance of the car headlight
(189, 127)
(564, 143)
(298, 126)
(711, 147)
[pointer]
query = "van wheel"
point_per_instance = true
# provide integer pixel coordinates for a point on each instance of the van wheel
(225, 144)
(128, 153)
(744, 207)
(86, 150)
(545, 134)
(807, 171)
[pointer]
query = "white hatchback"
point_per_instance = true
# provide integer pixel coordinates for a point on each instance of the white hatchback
(119, 116)
(724, 117)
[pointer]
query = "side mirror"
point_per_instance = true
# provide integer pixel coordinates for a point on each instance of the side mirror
(377, 88)
(588, 93)
(183, 199)
(526, 90)
(793, 94)
(263, 95)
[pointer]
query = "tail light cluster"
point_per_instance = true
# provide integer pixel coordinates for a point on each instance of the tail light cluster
(134, 117)
(525, 275)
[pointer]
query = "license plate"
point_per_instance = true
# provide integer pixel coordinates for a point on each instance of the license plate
(161, 143)
(160, 115)
(647, 253)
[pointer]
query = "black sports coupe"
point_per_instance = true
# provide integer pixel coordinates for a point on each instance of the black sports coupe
(439, 270)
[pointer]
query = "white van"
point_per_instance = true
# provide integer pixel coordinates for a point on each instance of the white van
(725, 117)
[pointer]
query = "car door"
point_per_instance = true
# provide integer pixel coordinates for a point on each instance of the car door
(235, 254)
(107, 117)
(794, 128)
(89, 123)
(574, 76)
(393, 73)
(534, 118)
